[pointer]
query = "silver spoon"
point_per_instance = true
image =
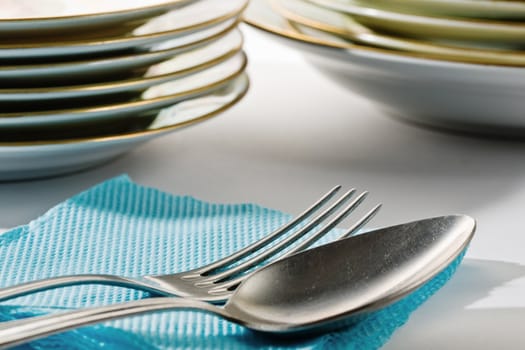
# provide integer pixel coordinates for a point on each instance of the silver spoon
(323, 287)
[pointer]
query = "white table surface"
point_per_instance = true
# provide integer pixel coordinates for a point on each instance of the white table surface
(294, 136)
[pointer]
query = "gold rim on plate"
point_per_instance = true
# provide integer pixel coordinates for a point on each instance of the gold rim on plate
(287, 30)
(217, 20)
(128, 105)
(424, 25)
(166, 4)
(147, 132)
(501, 9)
(98, 61)
(130, 82)
(352, 6)
(361, 35)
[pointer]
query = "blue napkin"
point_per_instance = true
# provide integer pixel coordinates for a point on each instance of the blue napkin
(119, 227)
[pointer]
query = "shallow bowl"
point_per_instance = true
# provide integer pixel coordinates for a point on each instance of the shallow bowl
(477, 98)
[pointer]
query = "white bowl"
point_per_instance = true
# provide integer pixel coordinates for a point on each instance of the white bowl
(469, 97)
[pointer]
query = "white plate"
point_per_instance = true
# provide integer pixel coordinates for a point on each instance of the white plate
(468, 97)
(426, 27)
(175, 24)
(20, 161)
(92, 70)
(154, 98)
(339, 24)
(179, 66)
(30, 17)
(501, 9)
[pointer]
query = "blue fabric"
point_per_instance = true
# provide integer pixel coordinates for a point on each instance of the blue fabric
(119, 227)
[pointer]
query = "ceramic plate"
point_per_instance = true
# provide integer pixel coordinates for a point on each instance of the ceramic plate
(179, 66)
(154, 98)
(28, 17)
(473, 98)
(175, 24)
(99, 69)
(303, 13)
(28, 160)
(438, 28)
(488, 9)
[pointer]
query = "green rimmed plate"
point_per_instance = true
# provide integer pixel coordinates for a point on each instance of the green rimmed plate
(333, 22)
(62, 155)
(101, 69)
(168, 70)
(175, 24)
(481, 9)
(484, 32)
(26, 18)
(72, 116)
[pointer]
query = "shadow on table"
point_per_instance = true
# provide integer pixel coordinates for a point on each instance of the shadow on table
(482, 307)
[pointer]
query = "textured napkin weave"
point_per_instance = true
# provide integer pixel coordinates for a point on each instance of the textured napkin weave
(122, 228)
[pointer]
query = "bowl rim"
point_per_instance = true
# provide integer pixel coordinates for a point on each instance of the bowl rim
(360, 49)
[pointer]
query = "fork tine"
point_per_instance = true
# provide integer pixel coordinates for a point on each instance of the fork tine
(218, 285)
(327, 227)
(271, 237)
(362, 222)
(281, 245)
(323, 231)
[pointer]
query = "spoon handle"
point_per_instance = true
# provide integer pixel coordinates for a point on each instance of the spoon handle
(17, 332)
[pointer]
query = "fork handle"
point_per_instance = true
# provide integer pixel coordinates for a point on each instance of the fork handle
(17, 332)
(73, 280)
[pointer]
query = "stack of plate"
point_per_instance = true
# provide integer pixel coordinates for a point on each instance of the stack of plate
(84, 81)
(455, 64)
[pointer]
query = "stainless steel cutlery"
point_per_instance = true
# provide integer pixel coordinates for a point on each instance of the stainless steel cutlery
(217, 281)
(320, 288)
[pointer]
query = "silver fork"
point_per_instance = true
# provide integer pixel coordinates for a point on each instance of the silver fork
(215, 282)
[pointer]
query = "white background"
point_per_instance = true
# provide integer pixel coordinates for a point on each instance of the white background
(294, 136)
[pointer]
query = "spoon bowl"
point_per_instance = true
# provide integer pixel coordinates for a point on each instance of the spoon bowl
(349, 277)
(324, 287)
